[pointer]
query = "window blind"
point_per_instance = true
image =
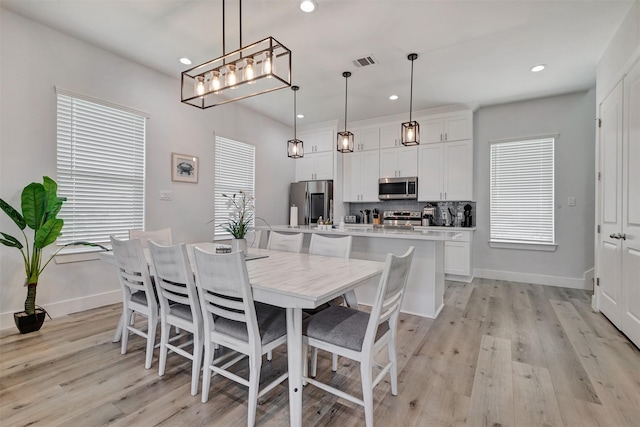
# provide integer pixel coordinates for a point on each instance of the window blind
(522, 191)
(100, 169)
(234, 172)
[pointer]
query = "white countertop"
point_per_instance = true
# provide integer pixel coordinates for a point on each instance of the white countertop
(361, 230)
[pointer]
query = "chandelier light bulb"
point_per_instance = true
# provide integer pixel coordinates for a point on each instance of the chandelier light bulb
(267, 64)
(200, 85)
(249, 74)
(231, 76)
(410, 133)
(214, 81)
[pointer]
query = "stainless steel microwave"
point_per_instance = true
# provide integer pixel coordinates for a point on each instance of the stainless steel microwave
(398, 188)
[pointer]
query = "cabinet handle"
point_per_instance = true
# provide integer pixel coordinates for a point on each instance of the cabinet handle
(445, 136)
(618, 236)
(445, 195)
(440, 196)
(441, 137)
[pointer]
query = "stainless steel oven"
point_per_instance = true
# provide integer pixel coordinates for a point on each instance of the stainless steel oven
(398, 188)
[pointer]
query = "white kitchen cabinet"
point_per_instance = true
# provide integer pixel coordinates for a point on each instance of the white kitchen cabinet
(360, 176)
(366, 138)
(314, 166)
(399, 162)
(390, 136)
(318, 141)
(447, 128)
(457, 258)
(445, 171)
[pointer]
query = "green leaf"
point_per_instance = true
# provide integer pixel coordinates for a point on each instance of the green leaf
(13, 214)
(33, 204)
(48, 233)
(10, 241)
(51, 190)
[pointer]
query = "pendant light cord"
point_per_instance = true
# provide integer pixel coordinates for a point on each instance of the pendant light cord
(411, 95)
(294, 116)
(346, 79)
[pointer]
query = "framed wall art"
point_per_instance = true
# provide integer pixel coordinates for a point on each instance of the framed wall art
(184, 168)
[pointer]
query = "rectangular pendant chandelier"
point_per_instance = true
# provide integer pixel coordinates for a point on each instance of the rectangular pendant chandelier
(252, 70)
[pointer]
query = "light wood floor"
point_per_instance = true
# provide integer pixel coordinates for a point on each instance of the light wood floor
(499, 354)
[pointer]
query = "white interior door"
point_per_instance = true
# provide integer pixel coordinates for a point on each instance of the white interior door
(630, 322)
(609, 259)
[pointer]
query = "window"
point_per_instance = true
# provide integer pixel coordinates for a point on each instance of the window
(101, 151)
(234, 172)
(522, 181)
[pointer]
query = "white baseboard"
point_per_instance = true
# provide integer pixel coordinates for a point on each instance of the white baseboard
(70, 306)
(585, 282)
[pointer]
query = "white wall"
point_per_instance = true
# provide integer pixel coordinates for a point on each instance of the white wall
(35, 59)
(620, 54)
(572, 117)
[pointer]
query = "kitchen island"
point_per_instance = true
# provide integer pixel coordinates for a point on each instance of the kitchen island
(425, 286)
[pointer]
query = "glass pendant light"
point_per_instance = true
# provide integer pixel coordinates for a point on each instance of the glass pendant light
(411, 129)
(295, 148)
(345, 139)
(230, 78)
(200, 85)
(214, 81)
(249, 73)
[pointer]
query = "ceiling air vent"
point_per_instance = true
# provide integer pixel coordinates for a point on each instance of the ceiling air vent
(363, 62)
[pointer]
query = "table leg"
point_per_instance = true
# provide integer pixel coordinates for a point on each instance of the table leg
(118, 334)
(294, 356)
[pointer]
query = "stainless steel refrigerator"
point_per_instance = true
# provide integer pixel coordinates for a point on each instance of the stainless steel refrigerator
(314, 199)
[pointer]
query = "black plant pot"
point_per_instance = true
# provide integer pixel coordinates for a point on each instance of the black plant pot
(29, 322)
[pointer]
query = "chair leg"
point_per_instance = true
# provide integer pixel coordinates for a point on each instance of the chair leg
(367, 392)
(393, 372)
(314, 361)
(255, 363)
(197, 363)
(334, 362)
(206, 374)
(305, 364)
(151, 338)
(121, 324)
(165, 330)
(124, 339)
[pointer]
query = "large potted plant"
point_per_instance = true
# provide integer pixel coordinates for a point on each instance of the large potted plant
(40, 206)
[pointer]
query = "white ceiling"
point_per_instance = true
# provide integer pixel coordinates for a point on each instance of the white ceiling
(471, 52)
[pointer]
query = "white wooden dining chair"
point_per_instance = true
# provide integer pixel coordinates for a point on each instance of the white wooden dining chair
(339, 247)
(232, 320)
(360, 336)
(179, 306)
(138, 295)
(285, 242)
(161, 237)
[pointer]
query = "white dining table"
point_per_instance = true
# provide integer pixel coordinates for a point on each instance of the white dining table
(294, 282)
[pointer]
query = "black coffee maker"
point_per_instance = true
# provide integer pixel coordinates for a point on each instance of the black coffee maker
(467, 216)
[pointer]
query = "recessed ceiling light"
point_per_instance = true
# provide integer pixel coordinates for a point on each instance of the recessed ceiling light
(393, 97)
(185, 61)
(537, 68)
(300, 116)
(308, 6)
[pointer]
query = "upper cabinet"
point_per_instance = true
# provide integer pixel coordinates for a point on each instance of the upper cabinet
(399, 162)
(314, 166)
(366, 138)
(317, 141)
(390, 136)
(454, 127)
(445, 171)
(360, 172)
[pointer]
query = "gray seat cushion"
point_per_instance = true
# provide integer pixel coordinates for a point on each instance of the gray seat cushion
(272, 324)
(341, 326)
(140, 297)
(182, 311)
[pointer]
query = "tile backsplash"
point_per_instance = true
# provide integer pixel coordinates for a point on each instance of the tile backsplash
(412, 205)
